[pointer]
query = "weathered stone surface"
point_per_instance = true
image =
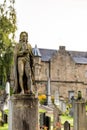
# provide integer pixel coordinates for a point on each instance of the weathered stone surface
(65, 74)
(25, 112)
(66, 125)
(79, 115)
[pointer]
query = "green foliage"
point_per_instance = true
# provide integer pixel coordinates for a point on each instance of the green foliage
(11, 91)
(7, 33)
(67, 118)
(6, 111)
(2, 87)
(5, 127)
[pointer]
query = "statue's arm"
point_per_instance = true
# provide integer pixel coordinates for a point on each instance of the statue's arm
(32, 65)
(19, 51)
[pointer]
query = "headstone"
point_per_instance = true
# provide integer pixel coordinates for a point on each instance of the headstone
(61, 103)
(10, 115)
(7, 88)
(66, 125)
(56, 118)
(56, 98)
(42, 119)
(80, 115)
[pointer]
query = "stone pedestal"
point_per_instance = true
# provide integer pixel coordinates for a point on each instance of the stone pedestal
(24, 112)
(79, 115)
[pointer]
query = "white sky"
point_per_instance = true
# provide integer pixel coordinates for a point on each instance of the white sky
(51, 23)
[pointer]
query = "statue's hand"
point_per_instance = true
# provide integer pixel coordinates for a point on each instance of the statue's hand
(20, 53)
(25, 51)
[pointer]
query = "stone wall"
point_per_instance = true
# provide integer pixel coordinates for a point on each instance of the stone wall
(64, 73)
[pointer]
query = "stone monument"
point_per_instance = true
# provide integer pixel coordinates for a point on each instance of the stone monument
(7, 89)
(49, 102)
(24, 104)
(23, 66)
(56, 99)
(79, 113)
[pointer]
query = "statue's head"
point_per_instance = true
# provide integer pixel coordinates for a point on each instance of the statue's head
(24, 36)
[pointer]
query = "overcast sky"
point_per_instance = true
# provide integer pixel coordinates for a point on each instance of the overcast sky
(52, 23)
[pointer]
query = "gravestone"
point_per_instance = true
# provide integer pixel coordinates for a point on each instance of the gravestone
(42, 119)
(7, 89)
(66, 125)
(56, 98)
(56, 117)
(80, 115)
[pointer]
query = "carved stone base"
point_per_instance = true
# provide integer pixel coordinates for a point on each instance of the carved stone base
(24, 112)
(80, 115)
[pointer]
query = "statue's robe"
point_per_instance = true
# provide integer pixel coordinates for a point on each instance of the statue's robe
(17, 88)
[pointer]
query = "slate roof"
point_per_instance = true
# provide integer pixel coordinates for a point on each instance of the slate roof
(80, 60)
(46, 54)
(77, 56)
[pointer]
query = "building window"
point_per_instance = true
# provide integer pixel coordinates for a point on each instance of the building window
(71, 94)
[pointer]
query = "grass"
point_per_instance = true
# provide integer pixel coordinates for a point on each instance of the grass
(67, 118)
(63, 119)
(5, 127)
(42, 110)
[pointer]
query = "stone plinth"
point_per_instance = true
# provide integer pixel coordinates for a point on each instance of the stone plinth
(24, 112)
(79, 115)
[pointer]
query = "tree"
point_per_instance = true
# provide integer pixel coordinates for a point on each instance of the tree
(7, 35)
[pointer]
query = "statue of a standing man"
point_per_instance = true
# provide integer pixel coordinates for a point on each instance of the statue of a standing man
(24, 65)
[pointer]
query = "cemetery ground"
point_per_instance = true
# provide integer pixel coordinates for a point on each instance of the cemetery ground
(5, 127)
(48, 110)
(63, 119)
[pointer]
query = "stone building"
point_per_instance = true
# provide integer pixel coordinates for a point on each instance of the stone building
(67, 71)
